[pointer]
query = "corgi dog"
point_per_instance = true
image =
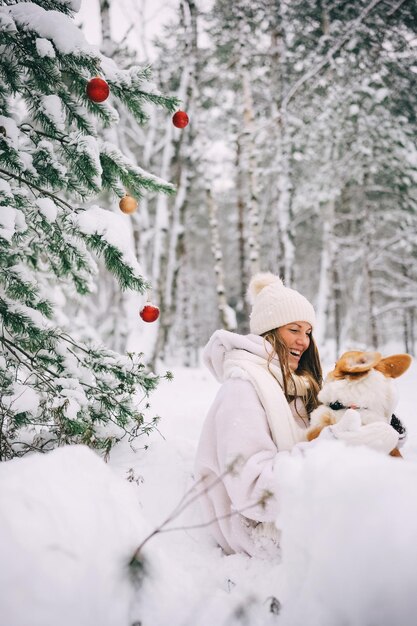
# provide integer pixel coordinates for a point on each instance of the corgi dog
(362, 381)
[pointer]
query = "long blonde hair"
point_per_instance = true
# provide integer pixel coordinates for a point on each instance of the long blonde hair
(309, 368)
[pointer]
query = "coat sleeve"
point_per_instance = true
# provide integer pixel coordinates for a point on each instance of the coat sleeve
(246, 453)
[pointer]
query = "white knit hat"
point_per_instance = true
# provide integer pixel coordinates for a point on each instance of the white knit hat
(275, 305)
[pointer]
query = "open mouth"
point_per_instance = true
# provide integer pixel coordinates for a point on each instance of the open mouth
(296, 353)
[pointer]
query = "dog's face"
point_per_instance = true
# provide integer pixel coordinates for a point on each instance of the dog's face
(364, 380)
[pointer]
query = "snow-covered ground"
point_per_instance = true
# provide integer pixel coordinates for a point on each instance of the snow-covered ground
(69, 525)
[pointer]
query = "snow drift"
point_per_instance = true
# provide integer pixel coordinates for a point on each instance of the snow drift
(68, 528)
(349, 540)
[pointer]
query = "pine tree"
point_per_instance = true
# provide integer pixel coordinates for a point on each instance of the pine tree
(57, 389)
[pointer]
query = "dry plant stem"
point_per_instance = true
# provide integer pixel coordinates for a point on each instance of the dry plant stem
(183, 504)
(214, 519)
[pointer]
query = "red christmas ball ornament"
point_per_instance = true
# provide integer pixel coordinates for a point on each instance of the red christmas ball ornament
(97, 89)
(149, 313)
(180, 119)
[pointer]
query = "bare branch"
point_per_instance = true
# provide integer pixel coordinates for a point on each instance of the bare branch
(215, 519)
(186, 501)
(395, 8)
(329, 56)
(32, 185)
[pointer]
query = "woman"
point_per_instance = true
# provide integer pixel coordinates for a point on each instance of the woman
(271, 379)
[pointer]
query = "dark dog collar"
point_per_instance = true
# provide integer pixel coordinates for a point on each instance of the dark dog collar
(338, 406)
(395, 421)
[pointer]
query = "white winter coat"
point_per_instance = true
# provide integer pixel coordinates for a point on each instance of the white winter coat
(249, 423)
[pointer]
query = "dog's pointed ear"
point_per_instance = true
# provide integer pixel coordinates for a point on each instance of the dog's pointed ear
(394, 366)
(356, 362)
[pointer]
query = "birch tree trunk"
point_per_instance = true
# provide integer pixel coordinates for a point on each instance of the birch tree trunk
(112, 317)
(369, 254)
(176, 250)
(106, 40)
(169, 221)
(371, 302)
(249, 147)
(248, 151)
(337, 308)
(411, 331)
(279, 85)
(161, 225)
(326, 263)
(226, 313)
(284, 200)
(242, 308)
(408, 322)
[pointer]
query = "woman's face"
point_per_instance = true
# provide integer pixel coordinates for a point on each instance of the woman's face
(296, 337)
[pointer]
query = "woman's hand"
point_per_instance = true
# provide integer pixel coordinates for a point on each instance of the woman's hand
(377, 435)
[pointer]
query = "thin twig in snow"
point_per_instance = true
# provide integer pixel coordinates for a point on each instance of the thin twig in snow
(183, 504)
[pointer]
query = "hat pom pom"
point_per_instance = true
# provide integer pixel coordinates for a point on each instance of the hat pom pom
(259, 281)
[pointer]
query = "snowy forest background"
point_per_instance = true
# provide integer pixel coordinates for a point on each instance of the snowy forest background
(300, 158)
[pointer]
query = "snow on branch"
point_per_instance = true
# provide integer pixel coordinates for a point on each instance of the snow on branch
(329, 56)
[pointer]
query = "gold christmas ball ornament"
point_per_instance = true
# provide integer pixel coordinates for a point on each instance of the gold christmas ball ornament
(128, 204)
